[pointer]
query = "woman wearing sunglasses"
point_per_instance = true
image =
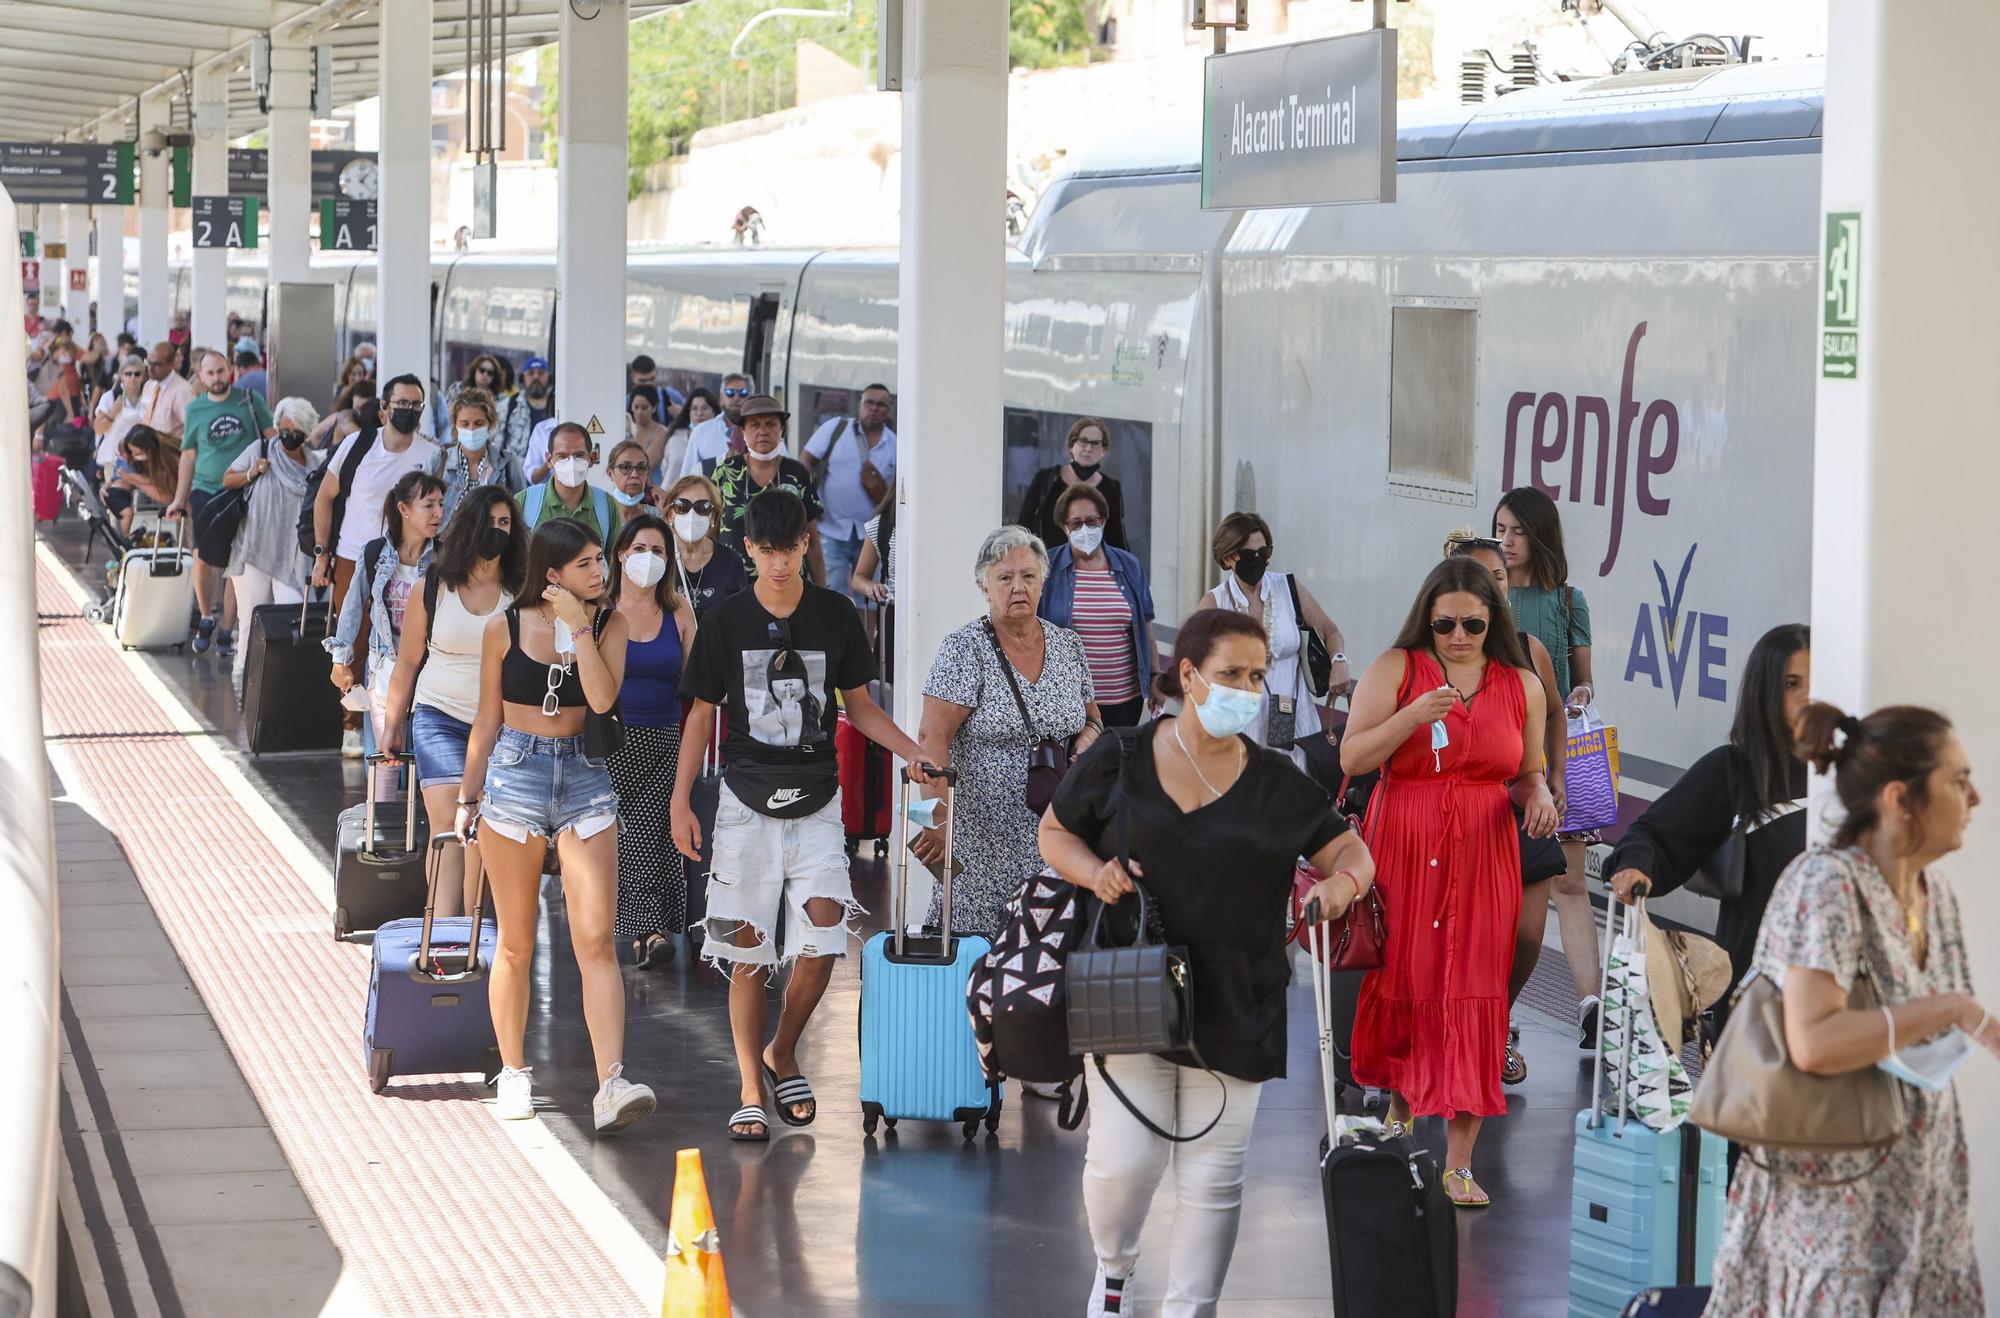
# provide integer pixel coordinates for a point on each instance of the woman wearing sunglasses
(555, 655)
(706, 577)
(1453, 716)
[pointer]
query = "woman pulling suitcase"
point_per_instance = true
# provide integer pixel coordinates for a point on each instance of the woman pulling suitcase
(1200, 800)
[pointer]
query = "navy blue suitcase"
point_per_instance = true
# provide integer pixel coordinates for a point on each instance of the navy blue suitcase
(427, 1012)
(918, 1055)
(1668, 1302)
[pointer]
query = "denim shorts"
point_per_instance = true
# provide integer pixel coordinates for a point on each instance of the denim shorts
(543, 786)
(437, 743)
(764, 872)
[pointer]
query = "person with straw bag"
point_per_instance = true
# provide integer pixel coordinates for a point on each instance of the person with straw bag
(1835, 1066)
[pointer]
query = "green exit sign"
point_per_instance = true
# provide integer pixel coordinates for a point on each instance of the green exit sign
(1840, 264)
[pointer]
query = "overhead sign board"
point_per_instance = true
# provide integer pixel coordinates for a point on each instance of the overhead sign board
(346, 224)
(56, 251)
(334, 174)
(65, 172)
(224, 221)
(1840, 340)
(1309, 124)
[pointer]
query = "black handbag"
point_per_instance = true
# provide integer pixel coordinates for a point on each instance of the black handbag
(1314, 660)
(1135, 998)
(1049, 758)
(604, 734)
(222, 517)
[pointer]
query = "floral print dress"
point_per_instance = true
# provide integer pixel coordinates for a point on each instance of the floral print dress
(1898, 1241)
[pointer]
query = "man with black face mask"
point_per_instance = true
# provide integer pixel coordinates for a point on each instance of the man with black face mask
(347, 512)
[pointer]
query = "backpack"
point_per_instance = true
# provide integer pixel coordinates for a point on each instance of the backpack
(364, 440)
(537, 495)
(1017, 996)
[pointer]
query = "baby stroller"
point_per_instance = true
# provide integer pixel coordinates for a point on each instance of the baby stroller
(97, 518)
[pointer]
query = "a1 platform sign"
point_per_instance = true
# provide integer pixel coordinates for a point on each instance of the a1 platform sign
(347, 224)
(223, 221)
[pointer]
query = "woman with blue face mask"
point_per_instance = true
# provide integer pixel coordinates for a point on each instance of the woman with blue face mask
(631, 471)
(473, 456)
(1215, 824)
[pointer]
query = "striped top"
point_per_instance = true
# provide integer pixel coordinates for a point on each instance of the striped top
(1103, 618)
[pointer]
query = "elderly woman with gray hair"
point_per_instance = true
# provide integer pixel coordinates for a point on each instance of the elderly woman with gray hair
(973, 722)
(265, 563)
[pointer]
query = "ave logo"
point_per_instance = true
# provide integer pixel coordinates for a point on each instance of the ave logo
(1667, 641)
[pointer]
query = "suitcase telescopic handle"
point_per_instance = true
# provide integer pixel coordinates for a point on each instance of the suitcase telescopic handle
(903, 854)
(368, 798)
(420, 960)
(1322, 986)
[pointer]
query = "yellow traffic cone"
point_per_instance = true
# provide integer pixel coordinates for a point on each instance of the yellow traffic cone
(696, 1286)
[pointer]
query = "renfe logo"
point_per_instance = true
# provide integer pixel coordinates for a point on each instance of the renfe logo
(1681, 632)
(1557, 417)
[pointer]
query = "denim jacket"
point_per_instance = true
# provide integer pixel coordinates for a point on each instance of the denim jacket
(1059, 599)
(371, 581)
(502, 469)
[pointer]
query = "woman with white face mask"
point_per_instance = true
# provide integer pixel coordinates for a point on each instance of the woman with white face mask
(704, 576)
(659, 622)
(1214, 826)
(473, 457)
(1100, 592)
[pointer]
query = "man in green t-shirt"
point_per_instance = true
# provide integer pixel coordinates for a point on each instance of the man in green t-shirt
(567, 492)
(219, 424)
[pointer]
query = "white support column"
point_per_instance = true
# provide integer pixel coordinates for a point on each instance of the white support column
(590, 217)
(403, 260)
(76, 301)
(290, 159)
(110, 292)
(208, 302)
(950, 292)
(1903, 471)
(155, 311)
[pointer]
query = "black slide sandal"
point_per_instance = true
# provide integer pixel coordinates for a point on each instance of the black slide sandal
(750, 1115)
(786, 1093)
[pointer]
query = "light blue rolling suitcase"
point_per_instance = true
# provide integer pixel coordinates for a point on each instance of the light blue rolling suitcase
(918, 1056)
(427, 1011)
(1646, 1206)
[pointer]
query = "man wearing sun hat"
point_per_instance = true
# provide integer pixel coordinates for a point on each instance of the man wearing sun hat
(763, 465)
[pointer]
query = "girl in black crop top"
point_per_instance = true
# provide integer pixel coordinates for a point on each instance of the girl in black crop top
(528, 782)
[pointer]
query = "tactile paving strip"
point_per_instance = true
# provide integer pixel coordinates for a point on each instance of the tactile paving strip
(428, 1201)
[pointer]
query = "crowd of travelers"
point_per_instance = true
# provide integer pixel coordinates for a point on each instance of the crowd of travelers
(502, 581)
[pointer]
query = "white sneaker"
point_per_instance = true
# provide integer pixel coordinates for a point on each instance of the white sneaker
(517, 1093)
(619, 1102)
(1107, 1296)
(350, 744)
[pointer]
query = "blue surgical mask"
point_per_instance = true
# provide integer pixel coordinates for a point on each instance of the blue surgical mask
(474, 439)
(627, 500)
(1227, 711)
(923, 811)
(1929, 1066)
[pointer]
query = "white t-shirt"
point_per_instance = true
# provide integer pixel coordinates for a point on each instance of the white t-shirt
(848, 506)
(378, 473)
(708, 444)
(124, 415)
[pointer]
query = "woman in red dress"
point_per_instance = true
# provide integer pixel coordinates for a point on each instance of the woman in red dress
(1432, 1021)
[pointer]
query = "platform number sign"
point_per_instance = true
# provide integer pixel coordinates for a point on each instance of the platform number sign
(1840, 336)
(347, 224)
(224, 221)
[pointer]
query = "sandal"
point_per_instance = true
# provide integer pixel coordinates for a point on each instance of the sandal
(653, 952)
(750, 1115)
(1483, 1200)
(792, 1091)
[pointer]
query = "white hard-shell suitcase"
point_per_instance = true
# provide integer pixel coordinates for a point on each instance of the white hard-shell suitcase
(155, 596)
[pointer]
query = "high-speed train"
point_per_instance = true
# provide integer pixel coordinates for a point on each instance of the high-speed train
(1607, 289)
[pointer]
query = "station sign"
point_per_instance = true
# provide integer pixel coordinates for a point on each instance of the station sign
(56, 251)
(31, 276)
(1308, 124)
(27, 244)
(1840, 338)
(69, 173)
(224, 221)
(346, 224)
(334, 174)
(79, 280)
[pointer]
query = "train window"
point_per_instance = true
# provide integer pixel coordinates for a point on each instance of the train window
(1433, 388)
(1035, 440)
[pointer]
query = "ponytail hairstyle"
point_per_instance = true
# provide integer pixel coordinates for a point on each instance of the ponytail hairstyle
(1196, 641)
(1896, 744)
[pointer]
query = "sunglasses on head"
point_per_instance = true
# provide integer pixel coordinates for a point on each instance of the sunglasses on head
(702, 506)
(735, 393)
(1467, 544)
(1446, 626)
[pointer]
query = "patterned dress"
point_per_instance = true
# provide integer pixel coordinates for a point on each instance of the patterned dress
(1898, 1241)
(995, 838)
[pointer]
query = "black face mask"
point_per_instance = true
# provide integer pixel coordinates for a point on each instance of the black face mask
(493, 542)
(293, 440)
(1083, 472)
(1251, 564)
(368, 413)
(405, 419)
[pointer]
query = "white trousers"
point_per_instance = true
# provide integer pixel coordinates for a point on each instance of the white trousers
(255, 586)
(1124, 1161)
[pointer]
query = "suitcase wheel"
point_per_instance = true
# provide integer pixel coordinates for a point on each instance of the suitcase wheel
(94, 613)
(891, 1122)
(853, 847)
(970, 1131)
(881, 847)
(340, 930)
(380, 1062)
(869, 1121)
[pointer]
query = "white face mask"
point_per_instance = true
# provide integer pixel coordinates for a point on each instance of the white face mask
(473, 439)
(690, 526)
(644, 568)
(570, 471)
(1085, 540)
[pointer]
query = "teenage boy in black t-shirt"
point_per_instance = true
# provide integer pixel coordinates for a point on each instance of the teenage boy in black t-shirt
(775, 654)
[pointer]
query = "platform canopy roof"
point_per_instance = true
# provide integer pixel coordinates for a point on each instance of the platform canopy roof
(67, 66)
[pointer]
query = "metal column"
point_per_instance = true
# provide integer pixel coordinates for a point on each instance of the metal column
(590, 218)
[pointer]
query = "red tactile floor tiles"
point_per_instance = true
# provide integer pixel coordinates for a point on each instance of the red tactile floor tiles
(429, 1202)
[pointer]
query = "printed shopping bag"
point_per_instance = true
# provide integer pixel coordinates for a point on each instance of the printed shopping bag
(1590, 774)
(1647, 1080)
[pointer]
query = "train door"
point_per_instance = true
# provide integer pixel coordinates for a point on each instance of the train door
(760, 341)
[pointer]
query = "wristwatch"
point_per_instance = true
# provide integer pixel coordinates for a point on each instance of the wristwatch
(1339, 657)
(319, 551)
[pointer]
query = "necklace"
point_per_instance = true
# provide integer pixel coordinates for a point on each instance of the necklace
(1191, 762)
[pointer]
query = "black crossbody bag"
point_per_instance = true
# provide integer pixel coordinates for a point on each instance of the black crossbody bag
(1048, 758)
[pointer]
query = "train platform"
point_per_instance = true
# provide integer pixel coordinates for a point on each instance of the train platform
(228, 1158)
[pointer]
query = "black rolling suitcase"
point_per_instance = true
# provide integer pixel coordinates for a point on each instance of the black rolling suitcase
(1390, 1226)
(289, 700)
(376, 878)
(1668, 1302)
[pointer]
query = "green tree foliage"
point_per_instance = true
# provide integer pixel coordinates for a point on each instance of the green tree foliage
(683, 78)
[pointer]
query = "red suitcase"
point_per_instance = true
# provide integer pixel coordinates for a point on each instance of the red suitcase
(47, 485)
(866, 791)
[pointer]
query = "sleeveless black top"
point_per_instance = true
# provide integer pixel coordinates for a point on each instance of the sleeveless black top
(525, 680)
